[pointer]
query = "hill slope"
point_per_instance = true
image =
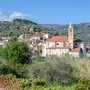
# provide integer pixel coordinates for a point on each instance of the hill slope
(17, 27)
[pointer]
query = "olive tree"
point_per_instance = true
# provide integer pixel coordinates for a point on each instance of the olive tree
(17, 52)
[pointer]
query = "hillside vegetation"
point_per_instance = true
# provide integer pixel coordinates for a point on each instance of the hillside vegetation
(17, 27)
(52, 73)
(17, 67)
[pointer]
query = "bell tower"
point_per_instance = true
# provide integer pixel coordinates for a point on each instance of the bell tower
(70, 35)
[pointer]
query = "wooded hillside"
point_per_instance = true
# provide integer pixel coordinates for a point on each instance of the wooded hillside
(17, 27)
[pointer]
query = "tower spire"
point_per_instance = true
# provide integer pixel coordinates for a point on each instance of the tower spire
(70, 24)
(70, 35)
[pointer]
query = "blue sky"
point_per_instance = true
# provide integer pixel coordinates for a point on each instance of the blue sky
(46, 11)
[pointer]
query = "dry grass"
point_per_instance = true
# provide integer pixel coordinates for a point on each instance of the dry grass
(81, 67)
(7, 84)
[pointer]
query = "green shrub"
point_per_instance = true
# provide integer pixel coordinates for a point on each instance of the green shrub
(40, 83)
(83, 85)
(52, 69)
(4, 69)
(26, 83)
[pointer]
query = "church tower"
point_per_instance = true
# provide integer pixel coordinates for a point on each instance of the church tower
(70, 35)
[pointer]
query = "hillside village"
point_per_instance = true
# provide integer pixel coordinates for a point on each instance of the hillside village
(55, 45)
(44, 44)
(35, 40)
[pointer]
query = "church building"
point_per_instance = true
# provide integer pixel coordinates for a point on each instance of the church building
(61, 45)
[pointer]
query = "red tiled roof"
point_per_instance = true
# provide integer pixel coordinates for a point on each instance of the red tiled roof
(34, 45)
(36, 35)
(76, 49)
(88, 47)
(37, 32)
(57, 39)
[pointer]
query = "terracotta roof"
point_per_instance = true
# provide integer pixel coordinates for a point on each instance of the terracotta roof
(76, 49)
(88, 47)
(58, 48)
(36, 35)
(57, 39)
(34, 45)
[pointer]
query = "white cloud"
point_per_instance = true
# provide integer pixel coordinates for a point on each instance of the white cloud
(18, 15)
(12, 16)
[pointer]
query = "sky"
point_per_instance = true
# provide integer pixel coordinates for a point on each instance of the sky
(46, 11)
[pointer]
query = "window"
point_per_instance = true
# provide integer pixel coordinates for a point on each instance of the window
(57, 43)
(81, 51)
(76, 44)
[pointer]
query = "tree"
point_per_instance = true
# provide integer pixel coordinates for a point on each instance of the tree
(13, 39)
(1, 52)
(17, 52)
